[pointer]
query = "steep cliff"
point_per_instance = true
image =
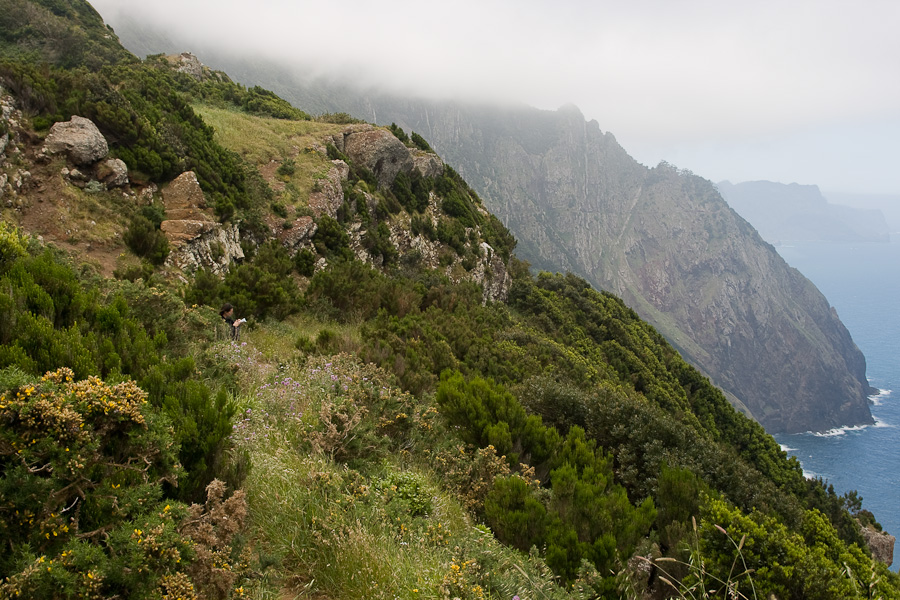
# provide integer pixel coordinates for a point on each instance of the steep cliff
(667, 243)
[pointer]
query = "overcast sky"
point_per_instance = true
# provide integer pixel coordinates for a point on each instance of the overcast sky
(804, 91)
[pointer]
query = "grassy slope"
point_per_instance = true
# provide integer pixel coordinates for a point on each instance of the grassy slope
(339, 532)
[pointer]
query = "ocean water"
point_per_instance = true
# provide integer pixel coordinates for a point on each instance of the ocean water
(862, 282)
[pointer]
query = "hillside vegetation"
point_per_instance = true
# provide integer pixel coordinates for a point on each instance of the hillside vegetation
(381, 428)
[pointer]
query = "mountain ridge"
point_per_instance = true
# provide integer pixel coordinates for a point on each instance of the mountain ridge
(794, 212)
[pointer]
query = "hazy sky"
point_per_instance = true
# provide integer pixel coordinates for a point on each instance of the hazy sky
(803, 91)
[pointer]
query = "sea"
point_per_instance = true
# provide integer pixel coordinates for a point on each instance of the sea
(862, 282)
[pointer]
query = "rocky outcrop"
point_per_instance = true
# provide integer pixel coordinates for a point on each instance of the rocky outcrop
(489, 269)
(427, 163)
(300, 233)
(112, 172)
(386, 156)
(189, 64)
(881, 544)
(378, 150)
(328, 193)
(79, 139)
(196, 239)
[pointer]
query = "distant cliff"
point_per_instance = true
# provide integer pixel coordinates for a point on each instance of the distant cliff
(792, 212)
(662, 239)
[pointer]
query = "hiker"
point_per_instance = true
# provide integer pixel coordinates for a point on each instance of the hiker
(227, 313)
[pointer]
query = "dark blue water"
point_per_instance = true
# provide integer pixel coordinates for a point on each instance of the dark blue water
(862, 282)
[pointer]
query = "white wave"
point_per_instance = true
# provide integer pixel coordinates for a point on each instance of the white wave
(881, 396)
(838, 431)
(787, 448)
(880, 423)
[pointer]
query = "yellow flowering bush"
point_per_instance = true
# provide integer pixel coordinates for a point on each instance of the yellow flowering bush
(81, 508)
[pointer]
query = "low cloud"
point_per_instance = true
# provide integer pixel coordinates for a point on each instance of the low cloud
(658, 74)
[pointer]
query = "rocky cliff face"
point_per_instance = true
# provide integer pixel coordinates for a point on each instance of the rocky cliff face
(666, 242)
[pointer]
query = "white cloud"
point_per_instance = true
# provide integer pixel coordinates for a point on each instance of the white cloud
(661, 75)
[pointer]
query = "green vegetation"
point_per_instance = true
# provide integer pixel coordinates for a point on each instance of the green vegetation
(380, 432)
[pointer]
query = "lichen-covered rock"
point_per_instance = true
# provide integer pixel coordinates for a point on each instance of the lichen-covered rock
(880, 543)
(202, 244)
(79, 139)
(379, 151)
(112, 172)
(196, 239)
(190, 64)
(428, 164)
(490, 272)
(300, 234)
(328, 195)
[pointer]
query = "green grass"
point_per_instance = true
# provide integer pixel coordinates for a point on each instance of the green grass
(262, 140)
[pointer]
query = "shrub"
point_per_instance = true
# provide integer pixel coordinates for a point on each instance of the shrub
(82, 463)
(378, 242)
(146, 240)
(279, 209)
(305, 262)
(420, 142)
(12, 245)
(399, 133)
(330, 238)
(287, 168)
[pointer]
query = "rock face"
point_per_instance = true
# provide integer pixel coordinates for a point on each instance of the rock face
(378, 150)
(428, 164)
(196, 239)
(79, 139)
(880, 543)
(189, 64)
(112, 172)
(329, 195)
(667, 243)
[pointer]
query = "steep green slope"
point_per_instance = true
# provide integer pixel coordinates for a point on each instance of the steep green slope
(386, 428)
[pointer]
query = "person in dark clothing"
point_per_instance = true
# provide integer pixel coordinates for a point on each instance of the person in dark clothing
(227, 313)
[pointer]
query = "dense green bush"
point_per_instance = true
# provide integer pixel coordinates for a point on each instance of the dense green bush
(586, 517)
(378, 242)
(146, 240)
(54, 320)
(202, 424)
(305, 262)
(399, 133)
(330, 238)
(420, 142)
(412, 191)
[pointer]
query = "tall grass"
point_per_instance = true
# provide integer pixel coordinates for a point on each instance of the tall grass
(381, 528)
